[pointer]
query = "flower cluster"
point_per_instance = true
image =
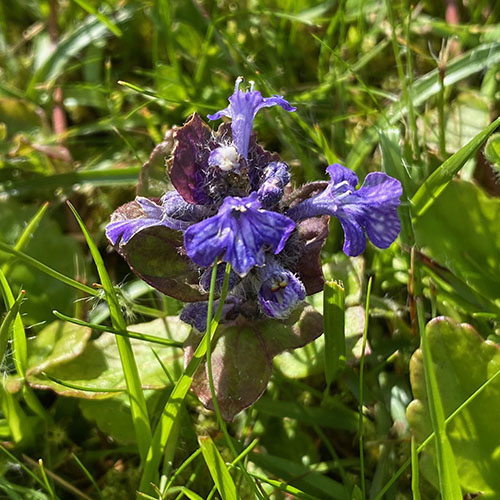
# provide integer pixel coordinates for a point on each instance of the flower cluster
(232, 202)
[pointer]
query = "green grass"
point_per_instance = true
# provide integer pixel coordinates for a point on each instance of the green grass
(394, 87)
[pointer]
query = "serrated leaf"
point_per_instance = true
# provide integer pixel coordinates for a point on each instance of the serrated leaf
(463, 361)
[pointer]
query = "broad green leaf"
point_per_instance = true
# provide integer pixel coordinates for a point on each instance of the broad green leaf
(113, 417)
(468, 244)
(449, 486)
(96, 364)
(218, 469)
(434, 185)
(56, 344)
(463, 362)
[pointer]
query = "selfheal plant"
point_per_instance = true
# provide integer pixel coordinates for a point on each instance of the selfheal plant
(231, 201)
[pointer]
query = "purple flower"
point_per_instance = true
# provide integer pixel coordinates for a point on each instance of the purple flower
(372, 208)
(243, 106)
(224, 157)
(196, 314)
(281, 291)
(276, 177)
(240, 234)
(172, 212)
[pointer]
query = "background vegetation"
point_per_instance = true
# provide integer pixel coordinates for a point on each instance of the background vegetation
(88, 88)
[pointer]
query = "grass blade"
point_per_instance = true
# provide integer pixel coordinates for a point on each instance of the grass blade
(133, 335)
(88, 474)
(448, 476)
(191, 494)
(138, 407)
(19, 348)
(104, 20)
(176, 399)
(415, 476)
(7, 324)
(47, 183)
(27, 233)
(218, 469)
(48, 270)
(88, 32)
(333, 321)
(474, 61)
(440, 178)
(361, 390)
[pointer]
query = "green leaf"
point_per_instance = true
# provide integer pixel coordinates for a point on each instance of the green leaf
(469, 245)
(7, 323)
(434, 185)
(333, 316)
(47, 184)
(96, 364)
(492, 150)
(218, 469)
(468, 116)
(447, 470)
(104, 20)
(56, 344)
(463, 362)
(191, 494)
